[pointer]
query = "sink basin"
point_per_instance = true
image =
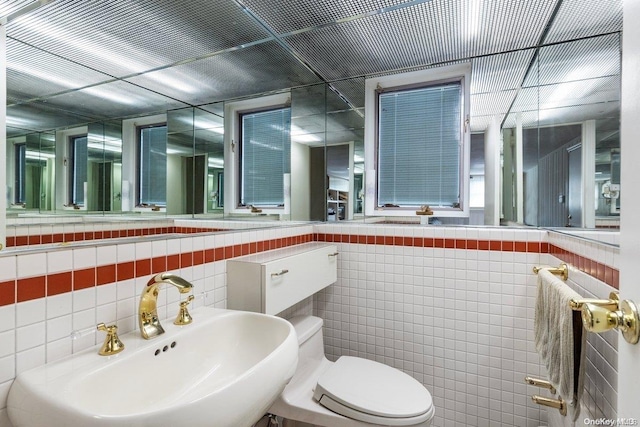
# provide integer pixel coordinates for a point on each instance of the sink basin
(225, 369)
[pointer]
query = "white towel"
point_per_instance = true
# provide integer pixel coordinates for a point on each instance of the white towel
(560, 339)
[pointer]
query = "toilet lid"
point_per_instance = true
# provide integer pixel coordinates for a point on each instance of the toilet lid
(364, 390)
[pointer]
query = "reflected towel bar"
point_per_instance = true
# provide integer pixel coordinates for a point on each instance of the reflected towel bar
(562, 270)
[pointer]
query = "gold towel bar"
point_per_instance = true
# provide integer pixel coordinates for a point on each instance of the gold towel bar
(610, 304)
(562, 270)
(540, 383)
(552, 403)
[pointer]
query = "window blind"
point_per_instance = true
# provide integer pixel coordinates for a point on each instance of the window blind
(152, 168)
(266, 156)
(419, 138)
(80, 161)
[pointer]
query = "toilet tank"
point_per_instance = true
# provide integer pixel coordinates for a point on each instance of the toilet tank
(310, 341)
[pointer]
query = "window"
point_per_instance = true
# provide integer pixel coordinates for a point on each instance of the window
(419, 142)
(78, 170)
(20, 182)
(265, 156)
(152, 165)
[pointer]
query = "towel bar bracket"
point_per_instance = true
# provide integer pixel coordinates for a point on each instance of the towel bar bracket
(558, 404)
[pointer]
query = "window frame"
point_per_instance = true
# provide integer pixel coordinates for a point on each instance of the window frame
(72, 170)
(20, 165)
(138, 172)
(233, 155)
(408, 81)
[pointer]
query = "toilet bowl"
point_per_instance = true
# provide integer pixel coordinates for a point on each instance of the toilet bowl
(351, 392)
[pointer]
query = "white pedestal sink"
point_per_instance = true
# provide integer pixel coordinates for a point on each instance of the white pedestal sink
(225, 370)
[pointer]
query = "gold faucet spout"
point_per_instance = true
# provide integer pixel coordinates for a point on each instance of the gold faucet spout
(148, 320)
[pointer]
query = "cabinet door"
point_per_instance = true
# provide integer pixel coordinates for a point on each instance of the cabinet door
(292, 279)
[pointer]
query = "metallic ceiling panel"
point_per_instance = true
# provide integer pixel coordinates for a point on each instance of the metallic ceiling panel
(33, 73)
(584, 92)
(252, 70)
(496, 103)
(529, 119)
(284, 16)
(585, 18)
(7, 7)
(577, 60)
(39, 116)
(579, 113)
(428, 33)
(352, 90)
(112, 100)
(495, 73)
(126, 37)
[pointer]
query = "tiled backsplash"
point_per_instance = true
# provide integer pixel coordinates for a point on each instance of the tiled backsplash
(451, 306)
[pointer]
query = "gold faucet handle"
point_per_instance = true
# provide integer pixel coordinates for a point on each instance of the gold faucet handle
(112, 344)
(184, 318)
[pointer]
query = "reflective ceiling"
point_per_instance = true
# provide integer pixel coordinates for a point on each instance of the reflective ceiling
(75, 61)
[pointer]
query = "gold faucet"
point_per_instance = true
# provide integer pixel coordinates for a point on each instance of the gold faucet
(112, 344)
(150, 326)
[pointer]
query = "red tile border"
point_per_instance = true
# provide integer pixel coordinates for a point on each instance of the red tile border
(54, 284)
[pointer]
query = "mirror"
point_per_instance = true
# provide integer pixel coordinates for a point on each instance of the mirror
(195, 162)
(237, 57)
(566, 119)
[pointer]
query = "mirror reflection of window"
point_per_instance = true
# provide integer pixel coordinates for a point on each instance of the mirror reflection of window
(152, 165)
(20, 174)
(78, 161)
(265, 156)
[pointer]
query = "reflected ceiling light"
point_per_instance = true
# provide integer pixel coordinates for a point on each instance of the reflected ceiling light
(299, 135)
(474, 18)
(262, 144)
(37, 155)
(105, 147)
(97, 91)
(18, 122)
(215, 163)
(121, 57)
(203, 124)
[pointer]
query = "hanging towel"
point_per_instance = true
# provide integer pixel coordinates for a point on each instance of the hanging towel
(560, 339)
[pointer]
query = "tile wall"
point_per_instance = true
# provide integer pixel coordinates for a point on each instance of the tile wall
(455, 312)
(451, 306)
(45, 296)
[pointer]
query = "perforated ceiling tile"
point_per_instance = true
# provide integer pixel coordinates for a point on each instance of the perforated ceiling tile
(39, 116)
(125, 37)
(584, 18)
(122, 99)
(497, 103)
(499, 72)
(427, 33)
(7, 7)
(33, 73)
(583, 92)
(284, 16)
(255, 69)
(352, 90)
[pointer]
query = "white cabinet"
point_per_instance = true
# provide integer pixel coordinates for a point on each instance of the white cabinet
(272, 281)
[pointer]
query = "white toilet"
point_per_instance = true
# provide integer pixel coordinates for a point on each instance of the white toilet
(350, 392)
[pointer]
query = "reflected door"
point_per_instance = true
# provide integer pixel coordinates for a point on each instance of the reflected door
(574, 191)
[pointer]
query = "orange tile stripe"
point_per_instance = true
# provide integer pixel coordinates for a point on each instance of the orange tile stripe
(26, 289)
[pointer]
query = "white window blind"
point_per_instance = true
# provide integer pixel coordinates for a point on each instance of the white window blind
(79, 170)
(419, 143)
(152, 169)
(266, 156)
